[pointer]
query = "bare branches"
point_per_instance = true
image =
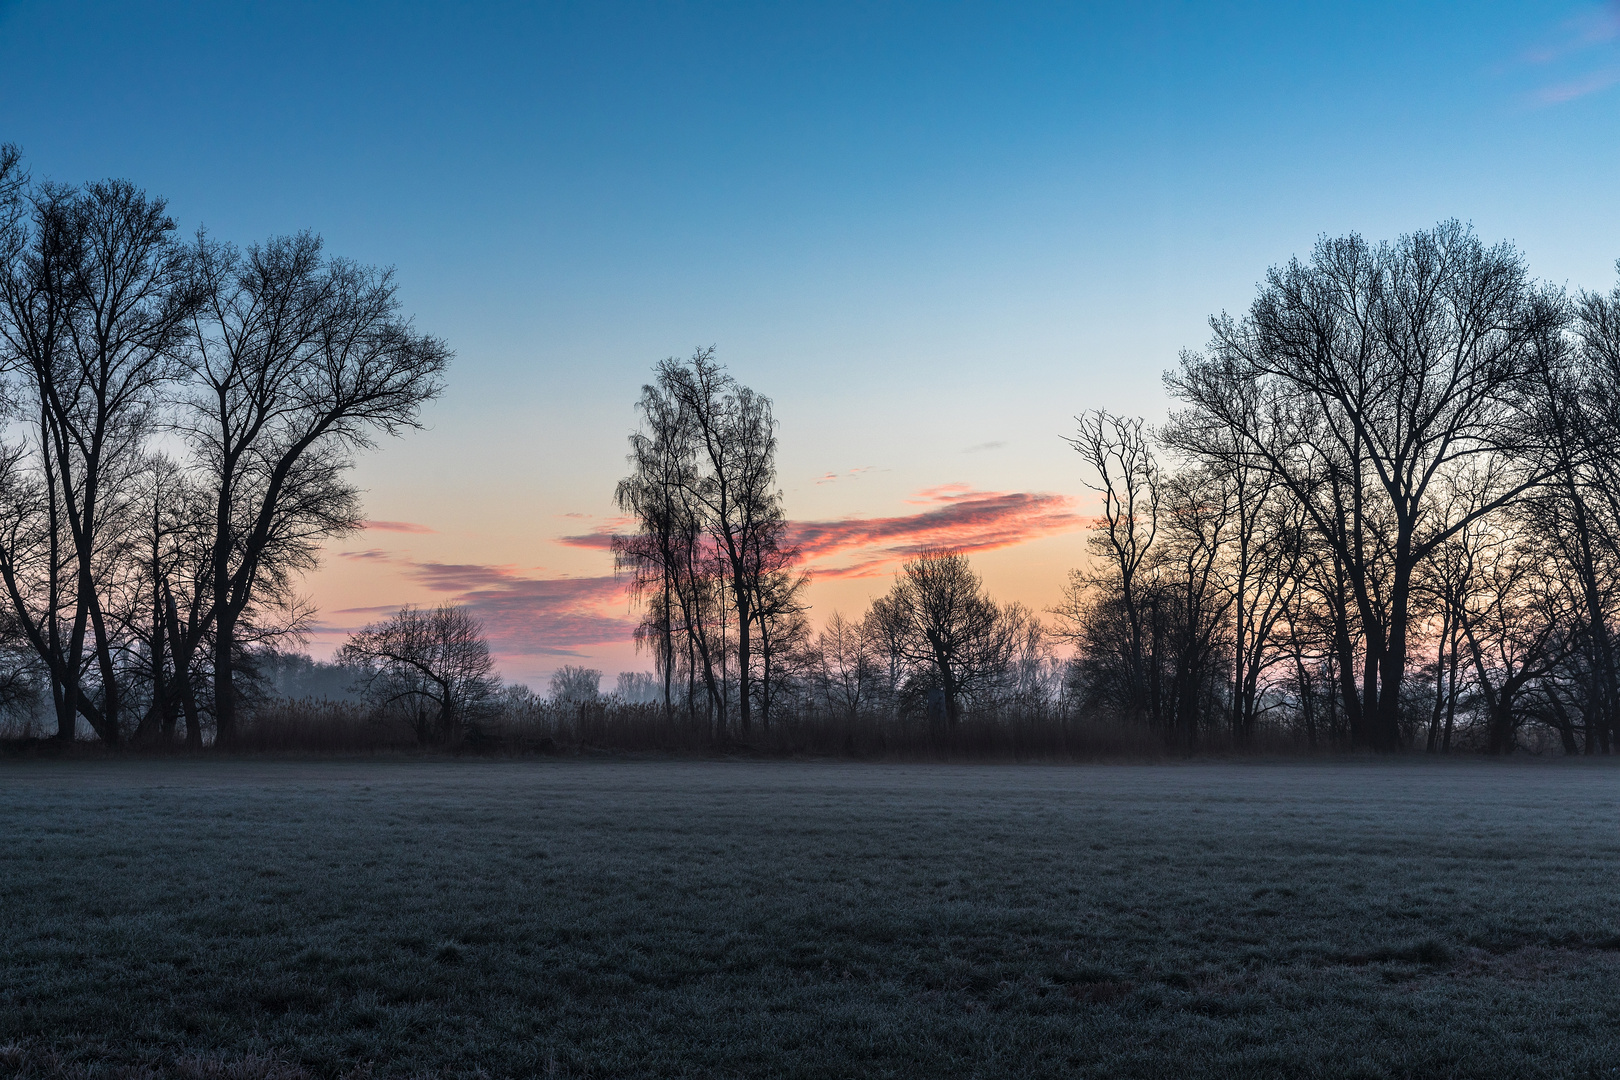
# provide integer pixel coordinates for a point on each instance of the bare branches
(1387, 389)
(938, 616)
(296, 361)
(710, 563)
(431, 667)
(272, 366)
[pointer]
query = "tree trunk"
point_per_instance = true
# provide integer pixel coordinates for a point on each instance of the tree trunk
(224, 682)
(744, 657)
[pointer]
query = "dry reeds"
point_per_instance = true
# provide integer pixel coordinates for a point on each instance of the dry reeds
(543, 727)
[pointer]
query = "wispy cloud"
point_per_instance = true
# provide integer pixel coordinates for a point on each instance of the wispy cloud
(369, 554)
(980, 448)
(529, 614)
(374, 609)
(957, 516)
(1587, 47)
(1584, 30)
(395, 526)
(599, 538)
(524, 614)
(852, 474)
(1578, 88)
(534, 616)
(954, 516)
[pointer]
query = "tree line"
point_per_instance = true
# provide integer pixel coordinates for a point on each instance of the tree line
(180, 417)
(1385, 513)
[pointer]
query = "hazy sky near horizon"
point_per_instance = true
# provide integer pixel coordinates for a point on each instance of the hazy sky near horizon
(932, 233)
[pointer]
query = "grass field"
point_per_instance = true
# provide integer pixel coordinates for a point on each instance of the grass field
(561, 918)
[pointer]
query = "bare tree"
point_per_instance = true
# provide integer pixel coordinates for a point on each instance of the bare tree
(1193, 600)
(1119, 452)
(846, 668)
(1580, 509)
(572, 684)
(883, 629)
(94, 297)
(1510, 617)
(1362, 380)
(297, 361)
(165, 552)
(1261, 552)
(781, 615)
(662, 556)
(943, 622)
(710, 542)
(735, 436)
(432, 666)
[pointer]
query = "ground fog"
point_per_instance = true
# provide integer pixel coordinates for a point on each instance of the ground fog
(394, 918)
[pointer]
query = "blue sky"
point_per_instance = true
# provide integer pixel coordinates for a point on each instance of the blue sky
(932, 233)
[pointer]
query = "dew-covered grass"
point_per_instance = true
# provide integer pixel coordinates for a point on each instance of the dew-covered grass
(563, 918)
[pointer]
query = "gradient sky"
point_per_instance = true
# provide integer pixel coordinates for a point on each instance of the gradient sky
(931, 233)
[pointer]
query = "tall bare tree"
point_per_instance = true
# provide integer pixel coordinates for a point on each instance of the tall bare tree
(94, 299)
(1376, 373)
(711, 539)
(1119, 452)
(660, 555)
(297, 360)
(734, 433)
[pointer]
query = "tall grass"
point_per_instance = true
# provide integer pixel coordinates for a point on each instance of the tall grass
(550, 727)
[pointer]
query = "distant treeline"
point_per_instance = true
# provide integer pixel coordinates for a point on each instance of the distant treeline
(1386, 514)
(180, 417)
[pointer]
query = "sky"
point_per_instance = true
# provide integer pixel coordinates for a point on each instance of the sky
(931, 233)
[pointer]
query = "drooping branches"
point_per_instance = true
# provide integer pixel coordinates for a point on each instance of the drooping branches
(709, 563)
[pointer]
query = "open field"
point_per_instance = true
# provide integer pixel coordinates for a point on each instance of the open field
(269, 919)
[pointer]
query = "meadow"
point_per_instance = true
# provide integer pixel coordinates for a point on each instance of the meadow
(253, 918)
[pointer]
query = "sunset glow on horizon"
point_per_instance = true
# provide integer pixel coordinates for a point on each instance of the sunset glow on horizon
(932, 236)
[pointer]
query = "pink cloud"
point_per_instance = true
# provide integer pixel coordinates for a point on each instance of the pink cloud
(959, 517)
(542, 616)
(395, 526)
(376, 554)
(527, 614)
(1589, 35)
(523, 615)
(1577, 88)
(956, 516)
